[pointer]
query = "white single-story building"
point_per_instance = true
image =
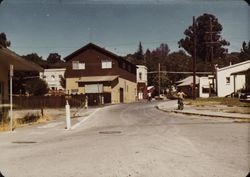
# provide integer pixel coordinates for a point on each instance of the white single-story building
(230, 79)
(205, 86)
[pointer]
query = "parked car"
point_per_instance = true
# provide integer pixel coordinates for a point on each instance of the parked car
(245, 96)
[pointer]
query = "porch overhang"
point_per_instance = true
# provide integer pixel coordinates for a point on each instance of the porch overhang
(96, 79)
(8, 57)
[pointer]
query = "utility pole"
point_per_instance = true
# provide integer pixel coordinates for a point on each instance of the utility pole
(210, 44)
(159, 71)
(11, 101)
(211, 48)
(194, 60)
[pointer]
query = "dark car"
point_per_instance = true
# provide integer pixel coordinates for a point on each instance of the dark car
(245, 96)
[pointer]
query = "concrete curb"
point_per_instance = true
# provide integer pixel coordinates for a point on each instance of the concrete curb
(199, 114)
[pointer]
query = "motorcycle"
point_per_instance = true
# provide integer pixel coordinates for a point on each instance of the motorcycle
(180, 104)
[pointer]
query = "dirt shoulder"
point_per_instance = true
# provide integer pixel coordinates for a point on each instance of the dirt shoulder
(228, 105)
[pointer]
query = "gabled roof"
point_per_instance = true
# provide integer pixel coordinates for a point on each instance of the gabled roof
(188, 81)
(92, 46)
(241, 72)
(8, 57)
(234, 65)
(98, 48)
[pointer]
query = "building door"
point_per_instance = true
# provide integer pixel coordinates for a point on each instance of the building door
(121, 95)
(1, 101)
(1, 93)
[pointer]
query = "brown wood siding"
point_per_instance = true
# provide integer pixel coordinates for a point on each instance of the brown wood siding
(93, 66)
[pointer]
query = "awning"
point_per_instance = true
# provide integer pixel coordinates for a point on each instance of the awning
(189, 81)
(97, 78)
(8, 57)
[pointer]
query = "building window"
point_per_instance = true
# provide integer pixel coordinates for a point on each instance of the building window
(205, 90)
(76, 65)
(227, 80)
(140, 76)
(74, 91)
(53, 77)
(129, 68)
(124, 65)
(106, 64)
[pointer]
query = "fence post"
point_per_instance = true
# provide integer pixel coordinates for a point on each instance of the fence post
(67, 108)
(86, 102)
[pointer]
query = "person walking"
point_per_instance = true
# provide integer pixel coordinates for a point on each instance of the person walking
(180, 97)
(149, 96)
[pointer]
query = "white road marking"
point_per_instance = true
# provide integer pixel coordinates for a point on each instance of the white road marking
(85, 119)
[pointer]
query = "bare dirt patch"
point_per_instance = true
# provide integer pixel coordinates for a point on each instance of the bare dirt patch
(229, 105)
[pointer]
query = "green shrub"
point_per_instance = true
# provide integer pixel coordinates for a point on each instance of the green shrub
(36, 87)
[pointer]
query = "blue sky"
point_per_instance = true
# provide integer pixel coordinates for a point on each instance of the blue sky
(62, 26)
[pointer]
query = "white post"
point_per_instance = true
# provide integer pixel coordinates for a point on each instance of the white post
(102, 99)
(11, 101)
(86, 102)
(68, 123)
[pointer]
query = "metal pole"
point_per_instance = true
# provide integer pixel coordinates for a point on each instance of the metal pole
(159, 71)
(11, 101)
(194, 60)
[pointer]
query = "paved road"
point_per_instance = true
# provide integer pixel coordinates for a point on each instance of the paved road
(129, 140)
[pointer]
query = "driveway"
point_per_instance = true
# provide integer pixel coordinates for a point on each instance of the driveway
(129, 140)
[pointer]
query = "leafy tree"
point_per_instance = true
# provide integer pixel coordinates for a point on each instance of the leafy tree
(138, 56)
(20, 78)
(54, 58)
(203, 41)
(158, 55)
(248, 2)
(154, 80)
(163, 51)
(33, 57)
(178, 61)
(245, 51)
(63, 82)
(3, 40)
(37, 87)
(140, 51)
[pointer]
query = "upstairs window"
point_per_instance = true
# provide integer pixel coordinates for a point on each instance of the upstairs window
(129, 68)
(53, 77)
(106, 64)
(76, 65)
(140, 76)
(227, 80)
(124, 65)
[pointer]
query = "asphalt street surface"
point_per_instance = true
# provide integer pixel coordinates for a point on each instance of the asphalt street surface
(129, 140)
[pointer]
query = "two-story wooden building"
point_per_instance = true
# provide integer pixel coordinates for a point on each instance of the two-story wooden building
(92, 70)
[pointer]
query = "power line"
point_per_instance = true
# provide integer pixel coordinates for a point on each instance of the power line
(178, 72)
